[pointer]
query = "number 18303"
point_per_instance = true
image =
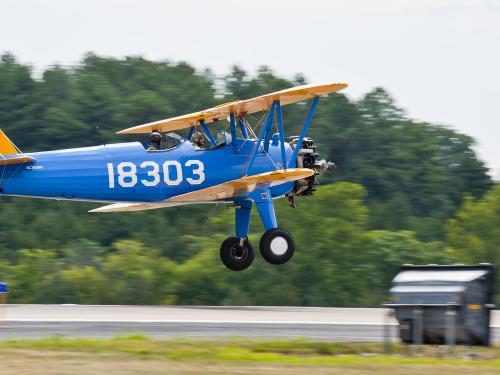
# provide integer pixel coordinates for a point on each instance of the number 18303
(150, 173)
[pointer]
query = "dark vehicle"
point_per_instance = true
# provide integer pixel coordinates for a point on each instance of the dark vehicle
(424, 297)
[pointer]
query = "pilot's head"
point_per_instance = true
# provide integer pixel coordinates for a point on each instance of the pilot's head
(198, 139)
(155, 138)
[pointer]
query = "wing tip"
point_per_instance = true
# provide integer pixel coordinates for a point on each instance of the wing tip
(113, 207)
(98, 209)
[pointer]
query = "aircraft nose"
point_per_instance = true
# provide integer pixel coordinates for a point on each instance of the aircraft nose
(322, 166)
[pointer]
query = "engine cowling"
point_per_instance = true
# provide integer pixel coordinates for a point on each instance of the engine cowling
(308, 157)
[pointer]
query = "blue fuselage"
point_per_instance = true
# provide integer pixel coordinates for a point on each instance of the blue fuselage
(126, 172)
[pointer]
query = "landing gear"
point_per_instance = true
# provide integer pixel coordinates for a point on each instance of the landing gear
(236, 253)
(277, 246)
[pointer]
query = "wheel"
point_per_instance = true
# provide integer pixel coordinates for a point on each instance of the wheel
(234, 256)
(277, 246)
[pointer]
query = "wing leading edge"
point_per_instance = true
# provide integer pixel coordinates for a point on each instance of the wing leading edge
(217, 193)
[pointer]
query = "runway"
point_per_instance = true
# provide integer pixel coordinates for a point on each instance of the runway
(336, 324)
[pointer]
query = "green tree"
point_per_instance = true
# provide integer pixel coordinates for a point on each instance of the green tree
(83, 285)
(387, 251)
(30, 278)
(137, 275)
(473, 235)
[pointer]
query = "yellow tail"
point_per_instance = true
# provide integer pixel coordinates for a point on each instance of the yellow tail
(6, 145)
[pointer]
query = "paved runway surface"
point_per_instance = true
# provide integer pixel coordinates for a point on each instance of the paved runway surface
(338, 324)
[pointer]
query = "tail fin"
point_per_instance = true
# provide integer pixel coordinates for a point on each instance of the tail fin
(6, 145)
(10, 154)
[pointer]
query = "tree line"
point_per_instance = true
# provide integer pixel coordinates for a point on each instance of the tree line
(403, 192)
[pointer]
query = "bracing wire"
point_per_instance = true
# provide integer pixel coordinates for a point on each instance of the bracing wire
(212, 212)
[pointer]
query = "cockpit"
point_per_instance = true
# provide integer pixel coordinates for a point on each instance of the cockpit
(199, 139)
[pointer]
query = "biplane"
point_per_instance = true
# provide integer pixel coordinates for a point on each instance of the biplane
(240, 166)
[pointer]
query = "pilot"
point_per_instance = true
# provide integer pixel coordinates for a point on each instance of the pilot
(155, 143)
(198, 140)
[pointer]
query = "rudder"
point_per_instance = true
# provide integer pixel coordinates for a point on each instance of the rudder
(6, 145)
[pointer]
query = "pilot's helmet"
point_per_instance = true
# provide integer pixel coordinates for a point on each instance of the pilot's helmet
(198, 138)
(155, 137)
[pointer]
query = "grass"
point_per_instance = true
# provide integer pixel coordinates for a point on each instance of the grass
(237, 350)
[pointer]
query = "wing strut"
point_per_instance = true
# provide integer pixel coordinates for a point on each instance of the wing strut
(281, 132)
(305, 127)
(243, 128)
(207, 133)
(232, 125)
(191, 132)
(267, 124)
(265, 134)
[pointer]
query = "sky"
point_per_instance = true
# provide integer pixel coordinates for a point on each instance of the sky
(439, 59)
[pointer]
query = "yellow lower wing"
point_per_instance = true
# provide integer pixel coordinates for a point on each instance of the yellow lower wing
(243, 185)
(224, 191)
(127, 207)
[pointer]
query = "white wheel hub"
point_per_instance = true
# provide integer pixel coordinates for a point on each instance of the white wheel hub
(279, 245)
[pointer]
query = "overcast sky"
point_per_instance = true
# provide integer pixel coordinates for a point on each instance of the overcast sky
(440, 59)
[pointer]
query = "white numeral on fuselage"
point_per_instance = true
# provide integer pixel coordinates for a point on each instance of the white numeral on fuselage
(200, 172)
(168, 167)
(153, 172)
(172, 173)
(127, 174)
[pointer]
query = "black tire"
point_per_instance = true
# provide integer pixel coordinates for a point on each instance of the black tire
(234, 256)
(277, 246)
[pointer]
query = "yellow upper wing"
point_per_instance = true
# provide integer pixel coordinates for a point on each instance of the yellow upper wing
(239, 108)
(224, 191)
